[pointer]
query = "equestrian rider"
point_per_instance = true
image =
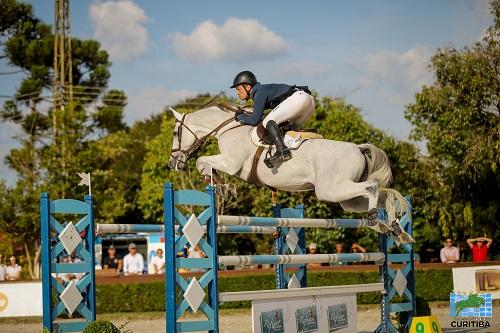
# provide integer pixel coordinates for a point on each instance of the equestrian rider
(288, 103)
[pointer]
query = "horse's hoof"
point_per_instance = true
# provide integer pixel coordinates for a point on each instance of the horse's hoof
(396, 229)
(379, 226)
(404, 238)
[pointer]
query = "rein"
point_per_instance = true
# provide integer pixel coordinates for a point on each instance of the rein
(200, 142)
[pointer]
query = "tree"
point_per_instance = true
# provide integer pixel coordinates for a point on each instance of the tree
(41, 164)
(459, 117)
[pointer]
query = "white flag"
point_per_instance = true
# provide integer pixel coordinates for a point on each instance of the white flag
(85, 179)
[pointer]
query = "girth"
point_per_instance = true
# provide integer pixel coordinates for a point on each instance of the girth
(253, 178)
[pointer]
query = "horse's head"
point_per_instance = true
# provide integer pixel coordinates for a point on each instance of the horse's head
(192, 130)
(185, 143)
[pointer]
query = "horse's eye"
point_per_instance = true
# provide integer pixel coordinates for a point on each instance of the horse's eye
(175, 133)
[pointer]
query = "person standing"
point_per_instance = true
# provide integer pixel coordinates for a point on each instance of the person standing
(13, 271)
(133, 262)
(313, 249)
(3, 269)
(158, 262)
(479, 247)
(196, 252)
(449, 254)
(113, 260)
(339, 249)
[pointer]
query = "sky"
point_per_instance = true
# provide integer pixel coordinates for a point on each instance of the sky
(375, 54)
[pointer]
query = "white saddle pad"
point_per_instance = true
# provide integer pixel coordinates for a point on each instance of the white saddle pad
(292, 139)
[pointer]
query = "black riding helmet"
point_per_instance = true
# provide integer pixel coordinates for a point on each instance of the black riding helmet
(245, 77)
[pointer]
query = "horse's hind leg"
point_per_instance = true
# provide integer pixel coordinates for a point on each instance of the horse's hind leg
(344, 190)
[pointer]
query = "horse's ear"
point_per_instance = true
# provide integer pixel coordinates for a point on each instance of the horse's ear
(176, 114)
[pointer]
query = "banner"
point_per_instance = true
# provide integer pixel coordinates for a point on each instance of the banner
(18, 299)
(479, 279)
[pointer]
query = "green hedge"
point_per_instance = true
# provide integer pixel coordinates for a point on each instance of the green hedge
(432, 285)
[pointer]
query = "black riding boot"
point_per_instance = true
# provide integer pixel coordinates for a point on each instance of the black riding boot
(282, 153)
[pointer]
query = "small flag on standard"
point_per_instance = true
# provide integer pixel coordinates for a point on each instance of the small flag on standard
(85, 180)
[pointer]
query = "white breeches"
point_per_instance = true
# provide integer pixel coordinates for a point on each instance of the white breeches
(297, 108)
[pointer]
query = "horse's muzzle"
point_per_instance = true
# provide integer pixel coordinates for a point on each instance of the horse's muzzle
(177, 164)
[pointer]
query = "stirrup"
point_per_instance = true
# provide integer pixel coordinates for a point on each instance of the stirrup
(279, 156)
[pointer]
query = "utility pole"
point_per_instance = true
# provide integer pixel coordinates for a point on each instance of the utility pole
(63, 74)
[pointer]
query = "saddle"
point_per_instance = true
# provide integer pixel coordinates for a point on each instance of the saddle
(288, 129)
(293, 138)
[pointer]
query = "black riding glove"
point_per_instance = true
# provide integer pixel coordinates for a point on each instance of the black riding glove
(237, 114)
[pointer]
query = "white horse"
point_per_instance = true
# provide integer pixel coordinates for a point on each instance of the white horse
(352, 175)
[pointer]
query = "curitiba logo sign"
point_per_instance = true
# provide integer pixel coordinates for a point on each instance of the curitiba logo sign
(475, 305)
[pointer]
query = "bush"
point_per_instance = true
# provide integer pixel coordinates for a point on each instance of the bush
(101, 326)
(431, 285)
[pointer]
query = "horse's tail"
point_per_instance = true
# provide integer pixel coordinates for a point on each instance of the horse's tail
(378, 164)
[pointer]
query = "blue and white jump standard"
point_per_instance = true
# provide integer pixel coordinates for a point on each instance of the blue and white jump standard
(59, 238)
(200, 293)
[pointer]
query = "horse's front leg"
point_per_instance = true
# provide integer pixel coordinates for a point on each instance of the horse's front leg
(206, 164)
(208, 167)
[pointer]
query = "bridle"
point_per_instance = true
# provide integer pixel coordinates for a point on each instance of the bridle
(199, 143)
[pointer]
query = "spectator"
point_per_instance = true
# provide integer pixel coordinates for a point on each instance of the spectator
(133, 262)
(356, 248)
(113, 260)
(339, 248)
(479, 249)
(13, 271)
(64, 277)
(158, 262)
(449, 254)
(313, 250)
(196, 252)
(3, 269)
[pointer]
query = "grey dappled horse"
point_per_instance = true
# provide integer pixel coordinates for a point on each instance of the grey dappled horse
(333, 169)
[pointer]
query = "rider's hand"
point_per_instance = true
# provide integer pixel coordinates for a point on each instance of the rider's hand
(237, 114)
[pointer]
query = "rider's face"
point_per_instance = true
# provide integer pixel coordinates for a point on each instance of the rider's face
(243, 91)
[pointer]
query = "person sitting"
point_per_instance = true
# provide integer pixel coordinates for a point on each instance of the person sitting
(449, 254)
(133, 262)
(479, 247)
(113, 261)
(288, 103)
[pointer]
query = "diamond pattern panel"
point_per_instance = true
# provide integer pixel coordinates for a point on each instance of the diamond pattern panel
(294, 282)
(193, 230)
(292, 239)
(70, 238)
(400, 282)
(194, 294)
(71, 297)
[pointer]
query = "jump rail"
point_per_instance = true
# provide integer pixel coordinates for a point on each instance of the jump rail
(291, 222)
(102, 229)
(377, 257)
(255, 295)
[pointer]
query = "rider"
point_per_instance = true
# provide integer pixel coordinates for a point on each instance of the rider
(288, 103)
